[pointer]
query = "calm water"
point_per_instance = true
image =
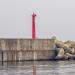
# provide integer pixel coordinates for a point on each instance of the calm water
(42, 67)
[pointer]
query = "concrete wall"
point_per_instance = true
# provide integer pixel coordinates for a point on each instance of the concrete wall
(26, 49)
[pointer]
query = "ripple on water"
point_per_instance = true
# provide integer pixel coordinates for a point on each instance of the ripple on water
(42, 68)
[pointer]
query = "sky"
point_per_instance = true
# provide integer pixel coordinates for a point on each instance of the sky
(54, 18)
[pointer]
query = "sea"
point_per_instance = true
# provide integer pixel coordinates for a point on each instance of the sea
(38, 68)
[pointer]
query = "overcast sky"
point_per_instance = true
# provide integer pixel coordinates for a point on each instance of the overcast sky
(54, 18)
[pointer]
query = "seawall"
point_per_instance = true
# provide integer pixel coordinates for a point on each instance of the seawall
(26, 49)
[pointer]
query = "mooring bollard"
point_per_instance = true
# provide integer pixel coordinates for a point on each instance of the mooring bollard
(34, 69)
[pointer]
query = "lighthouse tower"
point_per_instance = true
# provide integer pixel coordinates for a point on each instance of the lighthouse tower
(33, 26)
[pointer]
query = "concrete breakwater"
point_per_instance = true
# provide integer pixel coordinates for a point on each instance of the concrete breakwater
(38, 49)
(26, 49)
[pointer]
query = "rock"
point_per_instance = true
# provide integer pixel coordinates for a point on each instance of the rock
(54, 38)
(67, 50)
(70, 43)
(70, 56)
(59, 44)
(72, 51)
(64, 50)
(66, 57)
(60, 53)
(66, 46)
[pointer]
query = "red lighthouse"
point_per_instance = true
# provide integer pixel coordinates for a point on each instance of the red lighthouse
(33, 26)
